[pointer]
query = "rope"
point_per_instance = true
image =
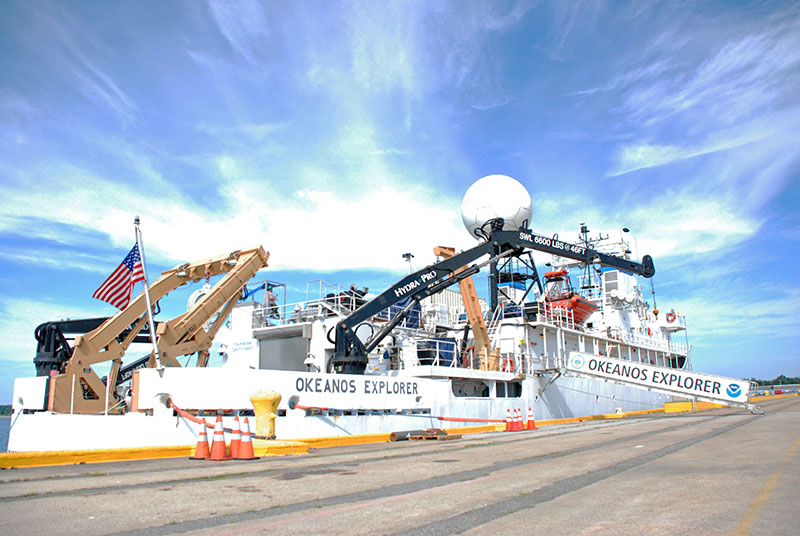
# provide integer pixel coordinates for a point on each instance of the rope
(197, 420)
(613, 398)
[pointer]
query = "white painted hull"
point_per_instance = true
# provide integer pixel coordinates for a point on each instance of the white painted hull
(351, 413)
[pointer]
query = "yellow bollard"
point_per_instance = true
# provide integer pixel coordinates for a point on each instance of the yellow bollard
(265, 402)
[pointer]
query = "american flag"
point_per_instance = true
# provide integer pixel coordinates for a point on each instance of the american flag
(116, 290)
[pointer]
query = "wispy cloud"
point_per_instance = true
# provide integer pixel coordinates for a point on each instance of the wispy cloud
(70, 49)
(717, 105)
(244, 24)
(56, 259)
(638, 156)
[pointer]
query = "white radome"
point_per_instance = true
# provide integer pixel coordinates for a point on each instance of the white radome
(496, 196)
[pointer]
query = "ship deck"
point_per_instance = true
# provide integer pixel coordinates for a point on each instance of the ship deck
(722, 471)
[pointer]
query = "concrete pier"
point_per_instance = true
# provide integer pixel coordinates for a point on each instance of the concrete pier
(722, 471)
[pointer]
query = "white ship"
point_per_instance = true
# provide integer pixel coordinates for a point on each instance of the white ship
(578, 340)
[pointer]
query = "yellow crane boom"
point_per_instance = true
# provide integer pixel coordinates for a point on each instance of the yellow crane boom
(80, 390)
(483, 346)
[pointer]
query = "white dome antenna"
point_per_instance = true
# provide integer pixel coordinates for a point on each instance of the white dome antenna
(492, 197)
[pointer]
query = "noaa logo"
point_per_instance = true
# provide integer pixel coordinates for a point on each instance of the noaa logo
(734, 390)
(577, 362)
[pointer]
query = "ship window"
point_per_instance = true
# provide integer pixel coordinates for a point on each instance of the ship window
(473, 388)
(509, 389)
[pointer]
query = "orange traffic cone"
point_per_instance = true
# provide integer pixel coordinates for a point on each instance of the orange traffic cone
(236, 438)
(531, 422)
(246, 446)
(509, 426)
(218, 447)
(514, 423)
(201, 450)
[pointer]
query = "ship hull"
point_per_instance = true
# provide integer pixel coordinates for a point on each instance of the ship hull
(362, 405)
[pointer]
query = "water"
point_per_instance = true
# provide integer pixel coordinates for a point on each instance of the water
(5, 424)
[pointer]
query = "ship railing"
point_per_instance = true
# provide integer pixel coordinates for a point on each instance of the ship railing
(655, 344)
(564, 318)
(515, 362)
(264, 316)
(457, 317)
(445, 354)
(336, 305)
(293, 313)
(560, 317)
(438, 352)
(412, 321)
(549, 361)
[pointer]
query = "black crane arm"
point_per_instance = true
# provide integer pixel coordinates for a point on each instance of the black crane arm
(530, 240)
(53, 349)
(350, 354)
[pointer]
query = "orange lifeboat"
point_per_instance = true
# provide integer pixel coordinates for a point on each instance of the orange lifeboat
(561, 300)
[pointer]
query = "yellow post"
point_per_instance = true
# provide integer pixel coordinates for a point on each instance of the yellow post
(265, 402)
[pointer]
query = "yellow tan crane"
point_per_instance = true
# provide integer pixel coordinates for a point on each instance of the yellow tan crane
(79, 390)
(483, 347)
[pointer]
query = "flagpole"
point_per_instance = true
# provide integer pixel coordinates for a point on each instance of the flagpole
(147, 293)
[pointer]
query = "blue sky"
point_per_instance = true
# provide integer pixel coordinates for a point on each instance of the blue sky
(342, 134)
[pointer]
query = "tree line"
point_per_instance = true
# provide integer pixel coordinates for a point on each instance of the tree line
(780, 380)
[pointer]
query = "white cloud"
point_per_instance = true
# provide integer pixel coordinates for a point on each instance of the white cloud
(715, 316)
(644, 155)
(687, 224)
(254, 131)
(675, 223)
(316, 229)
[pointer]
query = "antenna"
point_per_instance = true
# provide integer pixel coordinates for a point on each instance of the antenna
(408, 257)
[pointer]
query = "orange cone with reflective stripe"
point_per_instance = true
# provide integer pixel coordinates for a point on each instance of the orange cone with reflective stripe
(201, 451)
(508, 421)
(515, 420)
(218, 447)
(531, 422)
(246, 446)
(236, 438)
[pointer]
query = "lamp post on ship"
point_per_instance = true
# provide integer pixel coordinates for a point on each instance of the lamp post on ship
(408, 257)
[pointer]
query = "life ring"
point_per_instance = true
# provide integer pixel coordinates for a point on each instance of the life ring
(671, 317)
(649, 332)
(508, 365)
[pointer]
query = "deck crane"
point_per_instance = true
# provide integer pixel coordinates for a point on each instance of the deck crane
(472, 307)
(78, 389)
(351, 354)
